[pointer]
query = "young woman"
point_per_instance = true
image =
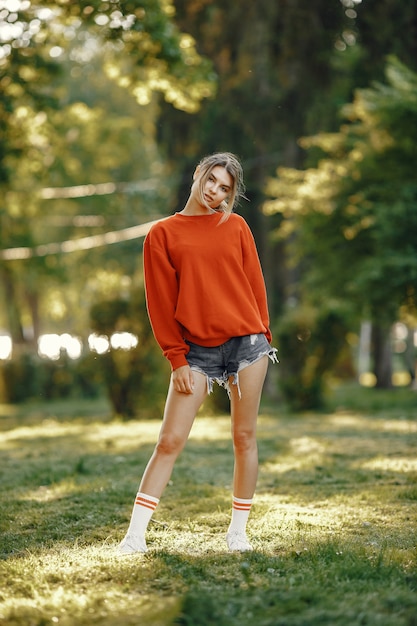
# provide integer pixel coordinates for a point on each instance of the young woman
(208, 310)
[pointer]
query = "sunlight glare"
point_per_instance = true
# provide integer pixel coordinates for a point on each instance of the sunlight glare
(98, 343)
(72, 345)
(367, 379)
(51, 346)
(401, 379)
(6, 347)
(55, 52)
(404, 464)
(305, 452)
(58, 599)
(123, 341)
(48, 493)
(207, 429)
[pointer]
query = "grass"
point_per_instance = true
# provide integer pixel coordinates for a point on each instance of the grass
(334, 522)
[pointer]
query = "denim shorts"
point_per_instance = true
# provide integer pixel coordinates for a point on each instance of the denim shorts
(223, 362)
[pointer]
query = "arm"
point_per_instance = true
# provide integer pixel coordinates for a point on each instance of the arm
(161, 287)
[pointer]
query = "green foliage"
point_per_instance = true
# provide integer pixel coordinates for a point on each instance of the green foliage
(354, 213)
(145, 49)
(64, 152)
(28, 377)
(350, 223)
(218, 401)
(71, 77)
(135, 379)
(107, 317)
(382, 29)
(310, 342)
(140, 46)
(370, 401)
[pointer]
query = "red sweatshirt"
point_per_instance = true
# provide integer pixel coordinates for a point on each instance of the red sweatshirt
(203, 283)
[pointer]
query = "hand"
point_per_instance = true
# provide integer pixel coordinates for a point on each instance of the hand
(183, 379)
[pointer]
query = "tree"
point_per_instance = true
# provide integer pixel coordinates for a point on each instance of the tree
(132, 378)
(75, 145)
(381, 29)
(285, 69)
(273, 60)
(350, 222)
(55, 133)
(143, 49)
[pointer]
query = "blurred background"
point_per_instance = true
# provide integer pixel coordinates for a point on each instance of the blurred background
(105, 108)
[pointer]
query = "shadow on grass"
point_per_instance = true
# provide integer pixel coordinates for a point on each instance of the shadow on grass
(282, 590)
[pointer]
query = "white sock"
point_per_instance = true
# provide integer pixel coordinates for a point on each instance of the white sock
(142, 512)
(240, 514)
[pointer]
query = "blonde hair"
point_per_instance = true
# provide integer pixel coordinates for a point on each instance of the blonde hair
(232, 165)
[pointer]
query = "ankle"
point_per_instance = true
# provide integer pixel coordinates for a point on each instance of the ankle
(240, 514)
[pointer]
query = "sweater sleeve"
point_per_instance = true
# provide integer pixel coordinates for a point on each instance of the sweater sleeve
(161, 288)
(253, 270)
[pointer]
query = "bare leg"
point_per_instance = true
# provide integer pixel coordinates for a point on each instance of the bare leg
(179, 414)
(244, 411)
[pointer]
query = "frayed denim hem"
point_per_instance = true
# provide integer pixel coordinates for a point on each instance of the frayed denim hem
(224, 380)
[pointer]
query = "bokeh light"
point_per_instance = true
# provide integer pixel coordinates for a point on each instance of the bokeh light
(52, 345)
(6, 347)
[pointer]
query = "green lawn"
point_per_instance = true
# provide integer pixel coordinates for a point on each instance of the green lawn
(334, 522)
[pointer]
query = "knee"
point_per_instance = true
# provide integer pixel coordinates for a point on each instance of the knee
(169, 445)
(244, 440)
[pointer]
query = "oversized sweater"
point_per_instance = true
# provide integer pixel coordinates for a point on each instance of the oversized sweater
(203, 283)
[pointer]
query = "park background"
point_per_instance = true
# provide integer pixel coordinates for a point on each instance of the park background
(105, 108)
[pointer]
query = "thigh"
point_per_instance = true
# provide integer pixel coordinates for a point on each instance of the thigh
(244, 409)
(181, 408)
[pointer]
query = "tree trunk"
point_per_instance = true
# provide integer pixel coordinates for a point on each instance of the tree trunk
(382, 355)
(11, 304)
(32, 298)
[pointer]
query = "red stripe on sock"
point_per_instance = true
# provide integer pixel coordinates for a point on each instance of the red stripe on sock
(241, 507)
(146, 503)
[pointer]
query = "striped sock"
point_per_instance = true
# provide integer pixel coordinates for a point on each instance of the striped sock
(240, 514)
(142, 512)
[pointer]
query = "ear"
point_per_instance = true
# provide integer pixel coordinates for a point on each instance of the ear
(197, 170)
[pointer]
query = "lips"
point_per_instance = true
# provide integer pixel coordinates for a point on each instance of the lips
(208, 198)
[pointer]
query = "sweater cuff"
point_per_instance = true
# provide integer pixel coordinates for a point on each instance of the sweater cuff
(179, 360)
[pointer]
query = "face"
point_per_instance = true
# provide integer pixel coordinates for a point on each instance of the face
(217, 187)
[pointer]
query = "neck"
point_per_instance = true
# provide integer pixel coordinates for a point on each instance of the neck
(195, 208)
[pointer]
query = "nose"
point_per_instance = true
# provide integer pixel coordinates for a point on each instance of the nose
(213, 186)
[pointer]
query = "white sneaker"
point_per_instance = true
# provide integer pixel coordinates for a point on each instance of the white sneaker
(131, 544)
(238, 542)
